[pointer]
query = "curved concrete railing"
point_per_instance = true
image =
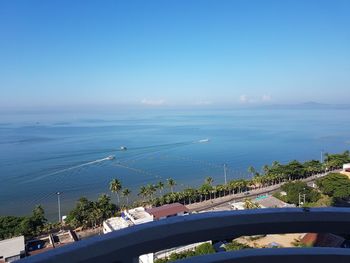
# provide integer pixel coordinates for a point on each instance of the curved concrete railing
(277, 255)
(127, 244)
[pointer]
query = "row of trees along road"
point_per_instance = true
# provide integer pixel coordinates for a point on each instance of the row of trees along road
(270, 175)
(92, 213)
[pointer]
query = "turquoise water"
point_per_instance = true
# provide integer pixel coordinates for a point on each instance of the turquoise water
(35, 149)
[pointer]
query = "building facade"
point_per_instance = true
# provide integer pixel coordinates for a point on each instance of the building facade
(12, 249)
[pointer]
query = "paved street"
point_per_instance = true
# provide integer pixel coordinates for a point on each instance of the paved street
(238, 197)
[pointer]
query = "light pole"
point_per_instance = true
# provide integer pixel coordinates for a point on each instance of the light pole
(303, 198)
(59, 205)
(225, 175)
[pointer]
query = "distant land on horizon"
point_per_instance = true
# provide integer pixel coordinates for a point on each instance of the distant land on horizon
(116, 108)
(306, 106)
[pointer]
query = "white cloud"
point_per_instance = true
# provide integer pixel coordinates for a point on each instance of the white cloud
(266, 98)
(203, 102)
(244, 99)
(153, 102)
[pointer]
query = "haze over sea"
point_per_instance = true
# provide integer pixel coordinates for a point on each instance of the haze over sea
(36, 148)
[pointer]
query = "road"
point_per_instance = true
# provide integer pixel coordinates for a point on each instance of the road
(200, 206)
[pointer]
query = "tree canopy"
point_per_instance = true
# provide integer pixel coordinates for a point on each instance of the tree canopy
(89, 213)
(29, 226)
(335, 161)
(203, 249)
(234, 245)
(335, 185)
(293, 189)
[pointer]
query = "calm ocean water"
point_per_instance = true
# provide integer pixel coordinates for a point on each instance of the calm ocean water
(42, 154)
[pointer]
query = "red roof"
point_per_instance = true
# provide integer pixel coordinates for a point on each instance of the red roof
(167, 210)
(322, 240)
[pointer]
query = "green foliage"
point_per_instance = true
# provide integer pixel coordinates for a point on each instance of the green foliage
(335, 185)
(182, 255)
(249, 204)
(234, 245)
(202, 249)
(126, 192)
(274, 174)
(298, 243)
(171, 184)
(115, 186)
(293, 189)
(209, 180)
(88, 213)
(12, 226)
(336, 161)
(294, 170)
(324, 201)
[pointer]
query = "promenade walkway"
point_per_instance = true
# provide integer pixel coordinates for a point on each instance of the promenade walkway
(240, 196)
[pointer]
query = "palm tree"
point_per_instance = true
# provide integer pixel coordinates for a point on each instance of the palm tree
(151, 189)
(143, 192)
(214, 191)
(160, 187)
(275, 164)
(266, 169)
(251, 170)
(115, 186)
(191, 194)
(249, 204)
(126, 192)
(171, 184)
(209, 180)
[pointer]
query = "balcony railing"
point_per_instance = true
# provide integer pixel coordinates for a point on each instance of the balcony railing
(126, 245)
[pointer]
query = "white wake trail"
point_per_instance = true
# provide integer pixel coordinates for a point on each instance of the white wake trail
(67, 169)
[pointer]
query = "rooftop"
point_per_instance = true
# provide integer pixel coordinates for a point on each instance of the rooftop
(138, 215)
(322, 240)
(238, 205)
(11, 247)
(167, 210)
(271, 202)
(116, 223)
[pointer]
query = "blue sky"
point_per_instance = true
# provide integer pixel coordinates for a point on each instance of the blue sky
(173, 53)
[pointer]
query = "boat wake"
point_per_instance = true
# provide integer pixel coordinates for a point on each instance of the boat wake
(111, 157)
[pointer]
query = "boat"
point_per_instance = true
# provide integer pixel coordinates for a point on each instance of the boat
(203, 141)
(123, 148)
(111, 157)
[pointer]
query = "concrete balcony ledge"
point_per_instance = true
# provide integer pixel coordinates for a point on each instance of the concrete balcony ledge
(127, 244)
(277, 255)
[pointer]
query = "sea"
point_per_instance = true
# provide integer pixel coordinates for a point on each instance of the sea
(45, 153)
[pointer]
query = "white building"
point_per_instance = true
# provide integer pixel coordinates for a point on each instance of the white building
(140, 215)
(264, 201)
(237, 206)
(130, 217)
(269, 201)
(12, 249)
(115, 223)
(346, 167)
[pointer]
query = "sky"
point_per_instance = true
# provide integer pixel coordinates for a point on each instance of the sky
(176, 53)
